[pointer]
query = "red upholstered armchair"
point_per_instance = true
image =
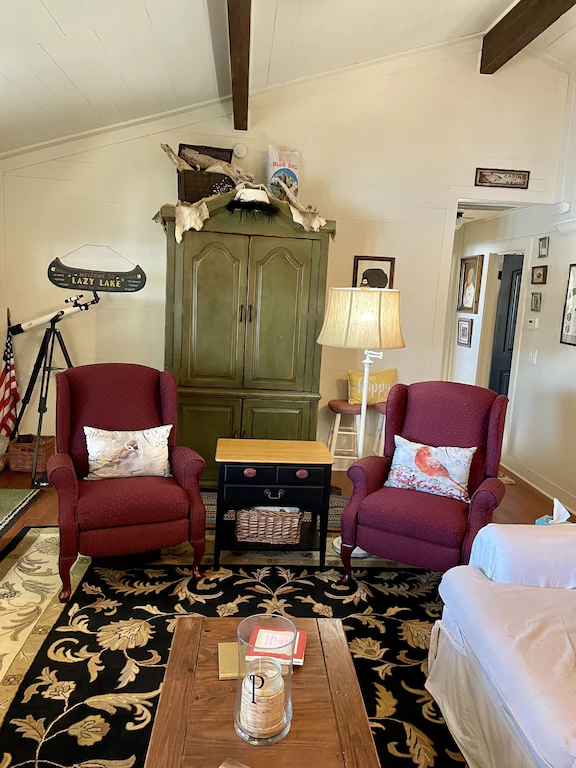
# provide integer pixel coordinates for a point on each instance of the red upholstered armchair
(418, 528)
(122, 516)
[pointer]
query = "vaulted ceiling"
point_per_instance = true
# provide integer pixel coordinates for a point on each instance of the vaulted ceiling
(68, 66)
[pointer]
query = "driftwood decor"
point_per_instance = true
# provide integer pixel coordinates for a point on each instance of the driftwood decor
(191, 160)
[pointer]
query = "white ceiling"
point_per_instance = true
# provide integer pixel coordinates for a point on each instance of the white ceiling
(558, 42)
(68, 66)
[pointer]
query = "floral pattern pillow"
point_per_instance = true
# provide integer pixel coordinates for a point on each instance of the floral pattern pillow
(141, 453)
(442, 471)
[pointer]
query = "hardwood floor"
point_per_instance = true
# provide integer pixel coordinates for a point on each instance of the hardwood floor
(521, 504)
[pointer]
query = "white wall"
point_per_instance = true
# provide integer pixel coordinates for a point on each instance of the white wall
(387, 150)
(542, 417)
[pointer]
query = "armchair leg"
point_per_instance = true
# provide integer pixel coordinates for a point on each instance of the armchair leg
(64, 566)
(345, 555)
(199, 548)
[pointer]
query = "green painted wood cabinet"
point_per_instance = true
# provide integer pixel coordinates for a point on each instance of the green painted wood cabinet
(244, 307)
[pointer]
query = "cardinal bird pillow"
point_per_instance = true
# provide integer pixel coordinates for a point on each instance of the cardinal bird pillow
(127, 454)
(441, 471)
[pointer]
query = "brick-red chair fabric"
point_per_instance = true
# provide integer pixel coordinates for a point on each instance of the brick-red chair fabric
(418, 528)
(102, 518)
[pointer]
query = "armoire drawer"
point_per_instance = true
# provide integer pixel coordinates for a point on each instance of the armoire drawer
(275, 495)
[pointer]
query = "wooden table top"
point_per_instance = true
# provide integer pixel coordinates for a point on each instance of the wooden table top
(194, 724)
(273, 451)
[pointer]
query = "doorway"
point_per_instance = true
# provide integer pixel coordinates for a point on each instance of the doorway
(505, 326)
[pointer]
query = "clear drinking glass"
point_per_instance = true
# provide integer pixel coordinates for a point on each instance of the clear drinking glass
(263, 708)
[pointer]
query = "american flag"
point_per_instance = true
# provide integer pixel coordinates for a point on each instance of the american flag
(9, 395)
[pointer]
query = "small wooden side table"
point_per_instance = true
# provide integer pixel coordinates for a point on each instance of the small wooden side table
(295, 473)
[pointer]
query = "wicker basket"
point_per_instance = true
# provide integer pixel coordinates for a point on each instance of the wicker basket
(3, 461)
(269, 525)
(21, 453)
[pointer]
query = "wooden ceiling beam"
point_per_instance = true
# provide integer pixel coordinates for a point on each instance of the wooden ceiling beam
(239, 35)
(521, 25)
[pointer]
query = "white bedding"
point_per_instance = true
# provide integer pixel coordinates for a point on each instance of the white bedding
(535, 555)
(521, 641)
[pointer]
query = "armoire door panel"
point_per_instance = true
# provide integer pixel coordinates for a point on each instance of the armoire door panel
(276, 419)
(215, 274)
(278, 312)
(201, 421)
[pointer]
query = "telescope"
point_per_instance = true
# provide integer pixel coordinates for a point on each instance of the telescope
(77, 306)
(44, 363)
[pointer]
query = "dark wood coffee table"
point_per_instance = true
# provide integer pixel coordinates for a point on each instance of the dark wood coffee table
(194, 724)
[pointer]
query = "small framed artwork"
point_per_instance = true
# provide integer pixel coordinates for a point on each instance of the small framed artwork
(496, 177)
(373, 271)
(568, 332)
(464, 332)
(535, 302)
(543, 245)
(539, 275)
(469, 285)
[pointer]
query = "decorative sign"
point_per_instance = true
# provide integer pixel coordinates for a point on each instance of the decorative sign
(96, 280)
(494, 177)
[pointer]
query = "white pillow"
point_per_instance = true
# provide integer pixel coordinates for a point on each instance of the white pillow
(127, 454)
(440, 471)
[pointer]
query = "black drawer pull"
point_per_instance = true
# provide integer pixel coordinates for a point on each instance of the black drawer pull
(268, 493)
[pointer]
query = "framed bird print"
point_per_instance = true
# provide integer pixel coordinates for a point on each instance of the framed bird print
(568, 332)
(469, 285)
(464, 332)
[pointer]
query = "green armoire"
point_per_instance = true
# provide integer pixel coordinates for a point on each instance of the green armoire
(244, 307)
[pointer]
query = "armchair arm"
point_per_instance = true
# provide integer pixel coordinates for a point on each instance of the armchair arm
(62, 475)
(367, 476)
(187, 466)
(484, 501)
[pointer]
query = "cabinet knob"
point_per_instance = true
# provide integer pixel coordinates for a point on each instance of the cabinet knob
(249, 472)
(301, 474)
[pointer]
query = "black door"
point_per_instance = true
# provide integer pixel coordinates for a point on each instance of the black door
(506, 314)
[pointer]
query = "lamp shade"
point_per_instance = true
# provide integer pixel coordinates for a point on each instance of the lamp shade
(362, 318)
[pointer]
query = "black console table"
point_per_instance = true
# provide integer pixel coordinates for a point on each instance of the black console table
(295, 473)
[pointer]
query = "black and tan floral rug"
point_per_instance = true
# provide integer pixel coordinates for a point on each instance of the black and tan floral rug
(82, 690)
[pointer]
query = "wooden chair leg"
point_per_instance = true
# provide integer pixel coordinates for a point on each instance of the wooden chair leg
(345, 555)
(199, 548)
(335, 428)
(64, 566)
(382, 435)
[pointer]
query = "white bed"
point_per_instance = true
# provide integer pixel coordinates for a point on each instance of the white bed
(503, 671)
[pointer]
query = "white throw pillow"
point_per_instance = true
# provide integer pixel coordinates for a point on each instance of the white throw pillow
(127, 454)
(440, 471)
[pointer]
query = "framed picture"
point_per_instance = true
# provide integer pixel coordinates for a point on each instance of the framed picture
(543, 244)
(464, 332)
(469, 285)
(568, 332)
(373, 271)
(535, 302)
(496, 177)
(539, 275)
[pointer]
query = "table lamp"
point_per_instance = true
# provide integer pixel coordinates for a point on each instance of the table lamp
(363, 318)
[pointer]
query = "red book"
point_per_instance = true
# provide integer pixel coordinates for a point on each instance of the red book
(264, 641)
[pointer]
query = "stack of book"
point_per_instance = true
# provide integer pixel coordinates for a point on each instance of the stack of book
(264, 642)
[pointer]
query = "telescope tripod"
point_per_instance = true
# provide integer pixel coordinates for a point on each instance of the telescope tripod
(43, 363)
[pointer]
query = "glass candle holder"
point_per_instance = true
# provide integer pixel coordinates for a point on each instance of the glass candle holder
(263, 708)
